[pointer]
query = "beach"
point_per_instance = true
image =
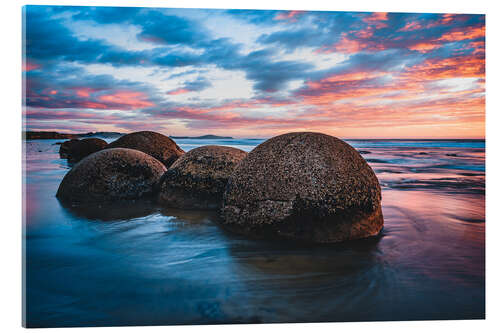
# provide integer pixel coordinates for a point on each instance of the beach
(142, 264)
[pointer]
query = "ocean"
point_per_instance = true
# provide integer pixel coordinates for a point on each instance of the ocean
(141, 264)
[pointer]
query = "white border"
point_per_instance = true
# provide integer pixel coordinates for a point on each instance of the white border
(10, 193)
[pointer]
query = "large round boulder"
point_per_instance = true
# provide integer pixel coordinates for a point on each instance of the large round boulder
(155, 144)
(74, 149)
(307, 187)
(111, 175)
(199, 177)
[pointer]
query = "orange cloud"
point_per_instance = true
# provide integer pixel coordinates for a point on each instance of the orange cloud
(424, 47)
(128, 99)
(452, 36)
(447, 18)
(466, 33)
(477, 46)
(347, 45)
(462, 66)
(411, 26)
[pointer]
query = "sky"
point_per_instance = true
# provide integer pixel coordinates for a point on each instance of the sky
(253, 73)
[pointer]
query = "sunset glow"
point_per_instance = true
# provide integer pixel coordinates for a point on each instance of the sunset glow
(251, 73)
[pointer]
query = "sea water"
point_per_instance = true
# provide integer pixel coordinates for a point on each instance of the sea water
(141, 264)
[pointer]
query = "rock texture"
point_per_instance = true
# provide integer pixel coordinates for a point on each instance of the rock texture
(110, 175)
(199, 177)
(155, 144)
(307, 187)
(74, 149)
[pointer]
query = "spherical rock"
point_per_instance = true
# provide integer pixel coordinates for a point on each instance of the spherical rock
(66, 146)
(306, 187)
(74, 149)
(199, 177)
(111, 175)
(155, 144)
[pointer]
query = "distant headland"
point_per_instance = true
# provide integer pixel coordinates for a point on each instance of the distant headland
(41, 135)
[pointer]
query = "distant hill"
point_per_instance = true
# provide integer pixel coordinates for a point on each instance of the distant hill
(33, 135)
(203, 137)
(42, 135)
(101, 134)
(30, 135)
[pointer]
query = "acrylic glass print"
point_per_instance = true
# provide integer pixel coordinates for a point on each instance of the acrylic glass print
(197, 166)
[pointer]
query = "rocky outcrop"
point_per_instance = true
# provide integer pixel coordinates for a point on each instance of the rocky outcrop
(154, 144)
(111, 175)
(199, 177)
(307, 187)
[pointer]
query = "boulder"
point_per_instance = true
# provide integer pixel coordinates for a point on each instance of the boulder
(199, 177)
(74, 149)
(155, 144)
(305, 187)
(65, 147)
(111, 175)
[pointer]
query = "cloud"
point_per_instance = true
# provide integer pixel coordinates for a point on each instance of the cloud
(388, 70)
(69, 87)
(292, 39)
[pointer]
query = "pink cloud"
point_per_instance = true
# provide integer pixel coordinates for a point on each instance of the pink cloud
(289, 16)
(127, 99)
(84, 92)
(30, 66)
(179, 91)
(376, 19)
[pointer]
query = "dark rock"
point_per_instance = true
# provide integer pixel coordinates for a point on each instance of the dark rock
(155, 144)
(74, 149)
(111, 175)
(199, 177)
(66, 147)
(306, 187)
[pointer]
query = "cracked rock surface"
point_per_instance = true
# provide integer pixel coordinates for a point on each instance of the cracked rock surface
(155, 144)
(111, 175)
(307, 187)
(199, 177)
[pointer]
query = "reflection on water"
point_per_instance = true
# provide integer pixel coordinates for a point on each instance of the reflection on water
(139, 264)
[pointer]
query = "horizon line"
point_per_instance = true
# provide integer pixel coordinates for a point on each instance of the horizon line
(266, 138)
